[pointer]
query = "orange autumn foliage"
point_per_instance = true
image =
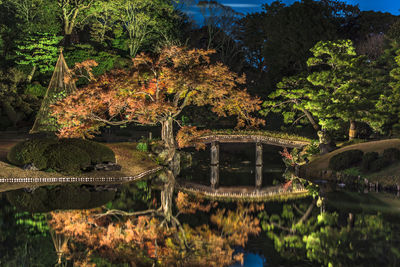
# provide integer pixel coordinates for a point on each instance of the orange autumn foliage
(187, 205)
(188, 136)
(141, 240)
(153, 90)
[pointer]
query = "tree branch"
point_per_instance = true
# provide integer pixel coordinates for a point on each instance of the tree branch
(124, 213)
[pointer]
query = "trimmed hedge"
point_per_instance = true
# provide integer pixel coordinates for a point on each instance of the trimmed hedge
(345, 159)
(379, 164)
(98, 153)
(64, 155)
(67, 158)
(367, 160)
(391, 154)
(30, 151)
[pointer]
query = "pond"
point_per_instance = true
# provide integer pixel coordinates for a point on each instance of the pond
(62, 225)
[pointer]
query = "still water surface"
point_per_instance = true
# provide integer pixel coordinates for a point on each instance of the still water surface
(341, 228)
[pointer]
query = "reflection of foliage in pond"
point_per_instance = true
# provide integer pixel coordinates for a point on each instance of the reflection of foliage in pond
(144, 238)
(134, 196)
(302, 233)
(24, 239)
(67, 197)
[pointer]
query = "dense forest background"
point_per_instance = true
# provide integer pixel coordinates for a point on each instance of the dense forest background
(315, 64)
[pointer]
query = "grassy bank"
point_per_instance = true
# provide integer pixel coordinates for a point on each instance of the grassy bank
(317, 168)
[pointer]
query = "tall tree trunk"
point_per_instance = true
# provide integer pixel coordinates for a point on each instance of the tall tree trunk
(353, 130)
(173, 163)
(67, 40)
(311, 119)
(167, 194)
(30, 76)
(167, 133)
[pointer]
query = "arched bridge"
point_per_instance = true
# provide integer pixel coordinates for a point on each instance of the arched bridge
(257, 137)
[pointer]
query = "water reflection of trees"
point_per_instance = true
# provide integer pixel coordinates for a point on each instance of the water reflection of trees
(24, 238)
(146, 238)
(303, 233)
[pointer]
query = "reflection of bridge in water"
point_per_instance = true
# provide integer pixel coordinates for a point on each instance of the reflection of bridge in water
(245, 193)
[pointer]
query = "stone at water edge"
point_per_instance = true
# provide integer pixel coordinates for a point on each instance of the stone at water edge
(30, 167)
(110, 166)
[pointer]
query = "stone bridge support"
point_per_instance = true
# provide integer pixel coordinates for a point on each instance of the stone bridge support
(214, 179)
(259, 165)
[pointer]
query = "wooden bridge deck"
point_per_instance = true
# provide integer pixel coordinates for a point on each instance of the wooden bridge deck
(244, 193)
(253, 138)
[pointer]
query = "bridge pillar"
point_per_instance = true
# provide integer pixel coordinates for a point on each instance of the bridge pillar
(259, 164)
(214, 179)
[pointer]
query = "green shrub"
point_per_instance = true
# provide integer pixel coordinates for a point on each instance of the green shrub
(352, 172)
(345, 159)
(97, 152)
(67, 158)
(65, 155)
(142, 146)
(379, 164)
(35, 89)
(391, 154)
(313, 148)
(30, 151)
(367, 159)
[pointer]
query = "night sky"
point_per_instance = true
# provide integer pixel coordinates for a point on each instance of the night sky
(250, 6)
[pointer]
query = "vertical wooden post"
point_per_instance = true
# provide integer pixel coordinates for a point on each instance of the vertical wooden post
(259, 163)
(214, 179)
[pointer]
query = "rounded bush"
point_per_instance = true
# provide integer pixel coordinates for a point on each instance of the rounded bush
(65, 155)
(30, 151)
(379, 164)
(345, 159)
(98, 153)
(367, 159)
(391, 154)
(67, 158)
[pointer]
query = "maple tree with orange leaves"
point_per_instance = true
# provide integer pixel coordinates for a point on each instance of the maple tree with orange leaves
(143, 239)
(155, 91)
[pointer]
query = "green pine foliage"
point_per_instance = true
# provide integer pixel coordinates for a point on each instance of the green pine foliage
(344, 86)
(340, 88)
(39, 51)
(81, 52)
